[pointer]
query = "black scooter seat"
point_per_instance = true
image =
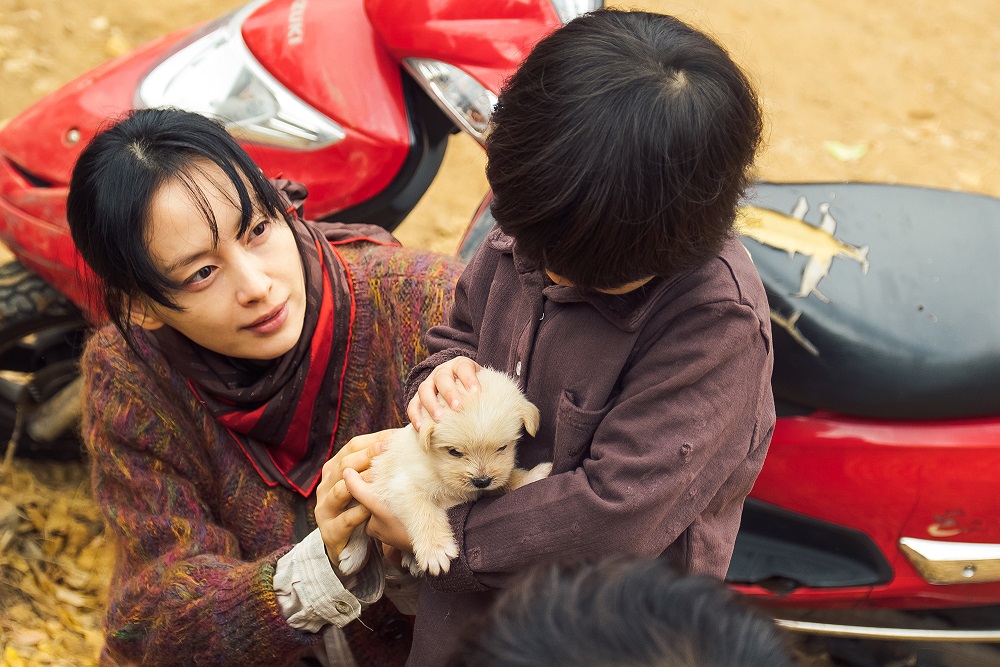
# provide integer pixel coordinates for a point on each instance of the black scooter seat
(911, 325)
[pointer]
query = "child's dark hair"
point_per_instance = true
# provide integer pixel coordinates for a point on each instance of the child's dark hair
(115, 181)
(620, 614)
(621, 147)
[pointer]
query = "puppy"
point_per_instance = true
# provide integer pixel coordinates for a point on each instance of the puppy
(469, 453)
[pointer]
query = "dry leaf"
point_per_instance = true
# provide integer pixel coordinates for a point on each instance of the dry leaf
(73, 598)
(28, 637)
(117, 43)
(12, 658)
(846, 152)
(9, 515)
(54, 566)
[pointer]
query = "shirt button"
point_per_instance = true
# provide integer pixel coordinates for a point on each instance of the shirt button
(342, 607)
(517, 369)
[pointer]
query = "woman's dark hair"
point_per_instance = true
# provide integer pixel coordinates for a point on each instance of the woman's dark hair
(115, 180)
(620, 613)
(621, 147)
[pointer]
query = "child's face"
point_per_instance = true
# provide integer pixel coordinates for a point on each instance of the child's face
(244, 297)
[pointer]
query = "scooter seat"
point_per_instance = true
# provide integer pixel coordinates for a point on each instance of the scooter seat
(885, 299)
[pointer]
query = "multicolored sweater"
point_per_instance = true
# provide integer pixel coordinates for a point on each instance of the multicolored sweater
(198, 532)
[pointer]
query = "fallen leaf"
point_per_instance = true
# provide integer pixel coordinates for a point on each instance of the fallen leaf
(9, 515)
(117, 44)
(73, 598)
(28, 637)
(12, 658)
(846, 152)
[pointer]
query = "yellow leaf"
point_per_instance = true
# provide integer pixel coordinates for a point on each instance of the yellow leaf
(28, 637)
(12, 658)
(846, 152)
(116, 44)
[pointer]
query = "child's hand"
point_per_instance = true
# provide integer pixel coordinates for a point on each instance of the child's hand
(441, 382)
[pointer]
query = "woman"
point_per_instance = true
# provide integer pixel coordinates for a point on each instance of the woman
(247, 349)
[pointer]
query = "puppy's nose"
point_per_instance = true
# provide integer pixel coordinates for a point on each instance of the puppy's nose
(482, 482)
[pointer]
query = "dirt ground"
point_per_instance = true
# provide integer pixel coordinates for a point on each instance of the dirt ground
(896, 91)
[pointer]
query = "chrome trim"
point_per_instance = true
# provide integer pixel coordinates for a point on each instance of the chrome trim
(450, 106)
(297, 124)
(902, 634)
(570, 9)
(952, 562)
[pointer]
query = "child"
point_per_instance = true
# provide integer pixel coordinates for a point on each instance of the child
(616, 291)
(248, 347)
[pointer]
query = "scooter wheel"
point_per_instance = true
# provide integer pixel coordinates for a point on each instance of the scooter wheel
(41, 338)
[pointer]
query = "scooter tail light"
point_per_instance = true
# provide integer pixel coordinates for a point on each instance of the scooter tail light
(466, 101)
(570, 9)
(215, 74)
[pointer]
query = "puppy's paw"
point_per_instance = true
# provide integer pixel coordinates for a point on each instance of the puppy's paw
(410, 563)
(353, 556)
(435, 559)
(540, 471)
(522, 477)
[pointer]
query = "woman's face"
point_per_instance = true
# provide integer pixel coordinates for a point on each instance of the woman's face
(244, 297)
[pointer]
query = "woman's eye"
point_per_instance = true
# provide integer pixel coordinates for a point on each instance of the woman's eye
(454, 452)
(201, 274)
(259, 229)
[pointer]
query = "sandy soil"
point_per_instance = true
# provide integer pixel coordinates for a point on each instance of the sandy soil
(898, 91)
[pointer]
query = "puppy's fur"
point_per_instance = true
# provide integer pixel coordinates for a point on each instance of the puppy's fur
(467, 454)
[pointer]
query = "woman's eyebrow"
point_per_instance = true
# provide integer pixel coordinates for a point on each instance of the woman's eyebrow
(184, 261)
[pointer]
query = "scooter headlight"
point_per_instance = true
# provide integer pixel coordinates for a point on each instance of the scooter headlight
(570, 9)
(465, 100)
(216, 75)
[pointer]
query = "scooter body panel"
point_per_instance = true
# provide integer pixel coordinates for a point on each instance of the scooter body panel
(486, 40)
(46, 138)
(887, 479)
(328, 54)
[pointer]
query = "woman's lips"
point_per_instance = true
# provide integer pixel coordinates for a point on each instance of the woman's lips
(270, 322)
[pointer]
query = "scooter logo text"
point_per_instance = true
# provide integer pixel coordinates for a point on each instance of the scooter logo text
(296, 15)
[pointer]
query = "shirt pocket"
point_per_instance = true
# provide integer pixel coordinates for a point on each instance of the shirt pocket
(575, 428)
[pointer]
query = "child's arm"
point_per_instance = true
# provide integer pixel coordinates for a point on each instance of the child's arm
(452, 346)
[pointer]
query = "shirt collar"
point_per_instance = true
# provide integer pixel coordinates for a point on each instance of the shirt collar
(626, 311)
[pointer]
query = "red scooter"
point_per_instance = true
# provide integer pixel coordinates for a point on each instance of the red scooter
(878, 489)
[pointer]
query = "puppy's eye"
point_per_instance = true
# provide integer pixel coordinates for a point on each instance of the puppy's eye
(502, 448)
(454, 452)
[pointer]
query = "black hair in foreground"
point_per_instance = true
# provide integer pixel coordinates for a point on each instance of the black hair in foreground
(621, 147)
(621, 614)
(117, 177)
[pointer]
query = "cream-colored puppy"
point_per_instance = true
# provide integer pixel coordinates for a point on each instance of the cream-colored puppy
(468, 453)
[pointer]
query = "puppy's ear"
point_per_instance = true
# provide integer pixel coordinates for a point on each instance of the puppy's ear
(530, 417)
(424, 434)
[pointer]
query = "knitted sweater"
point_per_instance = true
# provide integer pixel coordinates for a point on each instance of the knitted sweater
(198, 532)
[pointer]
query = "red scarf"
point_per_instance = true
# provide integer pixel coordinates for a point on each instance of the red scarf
(284, 415)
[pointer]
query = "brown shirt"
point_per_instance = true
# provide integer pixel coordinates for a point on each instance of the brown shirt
(656, 413)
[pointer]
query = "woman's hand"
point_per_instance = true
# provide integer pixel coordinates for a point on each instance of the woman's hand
(335, 517)
(442, 381)
(383, 525)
